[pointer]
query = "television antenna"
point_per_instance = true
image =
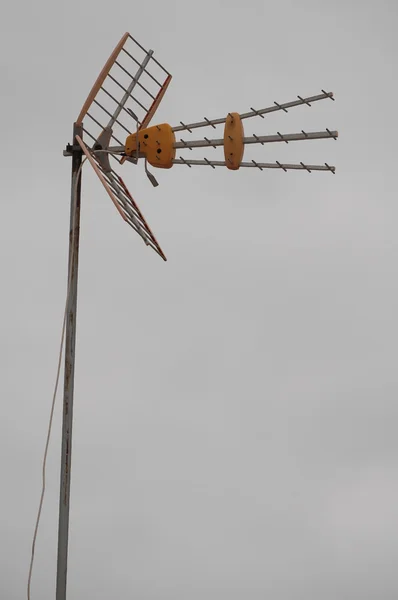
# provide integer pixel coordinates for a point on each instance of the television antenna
(113, 128)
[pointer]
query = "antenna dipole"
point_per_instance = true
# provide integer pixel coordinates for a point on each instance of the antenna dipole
(69, 375)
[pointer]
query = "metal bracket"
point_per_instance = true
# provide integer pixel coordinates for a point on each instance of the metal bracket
(150, 176)
(70, 149)
(100, 148)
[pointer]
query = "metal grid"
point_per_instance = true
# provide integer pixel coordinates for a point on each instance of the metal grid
(126, 94)
(122, 199)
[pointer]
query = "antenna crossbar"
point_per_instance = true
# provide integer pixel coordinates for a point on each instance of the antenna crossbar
(264, 139)
(256, 113)
(254, 164)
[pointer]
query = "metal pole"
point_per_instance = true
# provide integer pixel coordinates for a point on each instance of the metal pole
(70, 339)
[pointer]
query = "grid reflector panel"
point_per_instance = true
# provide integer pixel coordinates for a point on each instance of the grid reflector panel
(126, 93)
(122, 200)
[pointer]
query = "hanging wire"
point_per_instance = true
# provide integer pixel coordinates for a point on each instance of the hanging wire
(50, 422)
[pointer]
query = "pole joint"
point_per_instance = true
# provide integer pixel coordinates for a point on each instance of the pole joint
(71, 149)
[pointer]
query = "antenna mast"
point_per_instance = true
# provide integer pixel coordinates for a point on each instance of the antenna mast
(69, 375)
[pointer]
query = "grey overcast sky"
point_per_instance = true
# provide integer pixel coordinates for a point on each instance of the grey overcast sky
(236, 407)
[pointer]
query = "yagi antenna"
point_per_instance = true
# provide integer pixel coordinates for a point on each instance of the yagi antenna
(114, 122)
(111, 129)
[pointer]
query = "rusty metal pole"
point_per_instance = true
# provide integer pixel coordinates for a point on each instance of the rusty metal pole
(70, 340)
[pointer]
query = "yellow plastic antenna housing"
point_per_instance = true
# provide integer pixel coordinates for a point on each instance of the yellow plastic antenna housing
(233, 141)
(155, 143)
